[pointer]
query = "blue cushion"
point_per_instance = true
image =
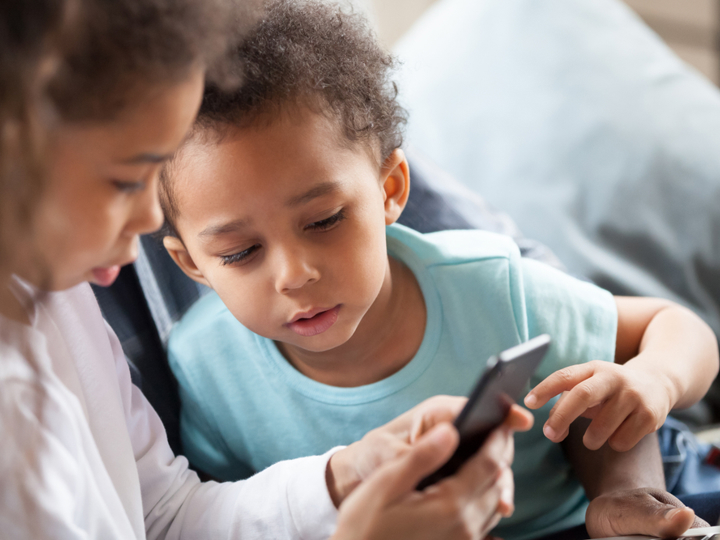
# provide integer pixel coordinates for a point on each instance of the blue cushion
(577, 120)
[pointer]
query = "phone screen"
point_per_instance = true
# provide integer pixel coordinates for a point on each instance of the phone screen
(501, 384)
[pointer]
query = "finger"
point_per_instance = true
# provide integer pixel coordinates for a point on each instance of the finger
(670, 522)
(632, 430)
(400, 476)
(479, 513)
(433, 411)
(589, 393)
(677, 521)
(506, 504)
(612, 415)
(652, 513)
(560, 381)
(484, 468)
(519, 419)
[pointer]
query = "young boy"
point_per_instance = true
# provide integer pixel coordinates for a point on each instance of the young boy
(329, 320)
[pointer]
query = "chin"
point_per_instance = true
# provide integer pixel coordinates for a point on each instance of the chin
(322, 343)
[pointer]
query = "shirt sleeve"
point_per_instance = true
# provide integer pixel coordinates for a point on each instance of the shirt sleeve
(47, 485)
(580, 317)
(288, 500)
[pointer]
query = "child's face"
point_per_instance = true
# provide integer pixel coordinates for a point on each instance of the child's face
(101, 191)
(288, 227)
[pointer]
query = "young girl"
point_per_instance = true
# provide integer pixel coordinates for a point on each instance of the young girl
(329, 319)
(83, 455)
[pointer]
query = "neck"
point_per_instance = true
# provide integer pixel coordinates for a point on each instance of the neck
(10, 307)
(386, 339)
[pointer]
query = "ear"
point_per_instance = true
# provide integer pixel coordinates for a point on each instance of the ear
(395, 178)
(182, 258)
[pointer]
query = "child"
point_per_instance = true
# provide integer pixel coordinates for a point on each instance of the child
(94, 96)
(328, 319)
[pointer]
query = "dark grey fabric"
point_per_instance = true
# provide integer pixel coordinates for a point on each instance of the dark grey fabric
(152, 294)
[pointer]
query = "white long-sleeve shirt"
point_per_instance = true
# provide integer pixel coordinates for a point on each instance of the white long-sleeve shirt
(105, 468)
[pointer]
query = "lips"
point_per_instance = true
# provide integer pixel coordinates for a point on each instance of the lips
(105, 276)
(314, 322)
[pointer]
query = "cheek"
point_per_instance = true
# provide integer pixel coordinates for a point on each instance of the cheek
(246, 298)
(362, 260)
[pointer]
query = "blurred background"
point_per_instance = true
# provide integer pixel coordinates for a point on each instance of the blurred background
(690, 27)
(597, 138)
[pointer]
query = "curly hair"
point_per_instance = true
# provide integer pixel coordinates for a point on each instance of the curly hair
(308, 53)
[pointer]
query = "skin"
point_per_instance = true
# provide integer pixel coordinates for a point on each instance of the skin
(101, 189)
(101, 193)
(237, 197)
(626, 489)
(433, 513)
(632, 397)
(233, 197)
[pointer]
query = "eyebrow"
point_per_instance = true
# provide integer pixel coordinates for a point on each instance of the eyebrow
(318, 191)
(147, 157)
(224, 228)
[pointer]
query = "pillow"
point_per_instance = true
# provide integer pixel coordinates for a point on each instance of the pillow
(580, 123)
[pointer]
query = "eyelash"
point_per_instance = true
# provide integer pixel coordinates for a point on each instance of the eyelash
(325, 224)
(322, 226)
(128, 187)
(238, 257)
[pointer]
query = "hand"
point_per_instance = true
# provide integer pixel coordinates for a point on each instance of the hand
(624, 403)
(350, 466)
(466, 505)
(650, 512)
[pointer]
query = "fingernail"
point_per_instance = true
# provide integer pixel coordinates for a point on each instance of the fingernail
(672, 513)
(530, 400)
(549, 432)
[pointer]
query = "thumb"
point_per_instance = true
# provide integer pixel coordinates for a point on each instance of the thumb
(648, 512)
(675, 521)
(400, 476)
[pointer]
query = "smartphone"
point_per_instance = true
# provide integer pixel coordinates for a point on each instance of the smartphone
(500, 385)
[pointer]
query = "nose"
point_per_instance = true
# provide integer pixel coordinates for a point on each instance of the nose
(294, 269)
(147, 215)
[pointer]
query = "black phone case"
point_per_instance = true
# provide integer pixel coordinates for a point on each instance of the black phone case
(500, 385)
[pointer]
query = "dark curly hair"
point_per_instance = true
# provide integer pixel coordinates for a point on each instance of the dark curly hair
(308, 53)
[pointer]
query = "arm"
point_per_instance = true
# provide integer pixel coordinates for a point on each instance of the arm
(662, 337)
(288, 500)
(665, 357)
(626, 489)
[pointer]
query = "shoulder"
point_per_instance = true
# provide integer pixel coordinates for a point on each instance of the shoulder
(203, 315)
(455, 246)
(207, 330)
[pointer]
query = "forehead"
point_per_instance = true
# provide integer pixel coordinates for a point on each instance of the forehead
(148, 131)
(273, 161)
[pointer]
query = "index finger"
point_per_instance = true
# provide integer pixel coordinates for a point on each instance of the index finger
(433, 411)
(557, 383)
(483, 469)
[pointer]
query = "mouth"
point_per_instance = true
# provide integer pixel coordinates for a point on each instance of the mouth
(105, 276)
(314, 322)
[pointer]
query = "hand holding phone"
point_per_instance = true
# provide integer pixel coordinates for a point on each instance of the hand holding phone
(500, 385)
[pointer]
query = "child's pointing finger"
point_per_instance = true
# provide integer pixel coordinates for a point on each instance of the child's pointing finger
(557, 383)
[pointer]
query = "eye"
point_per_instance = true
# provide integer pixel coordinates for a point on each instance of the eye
(241, 256)
(124, 186)
(328, 223)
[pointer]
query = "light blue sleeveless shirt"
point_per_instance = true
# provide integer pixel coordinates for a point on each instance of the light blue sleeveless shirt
(244, 407)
